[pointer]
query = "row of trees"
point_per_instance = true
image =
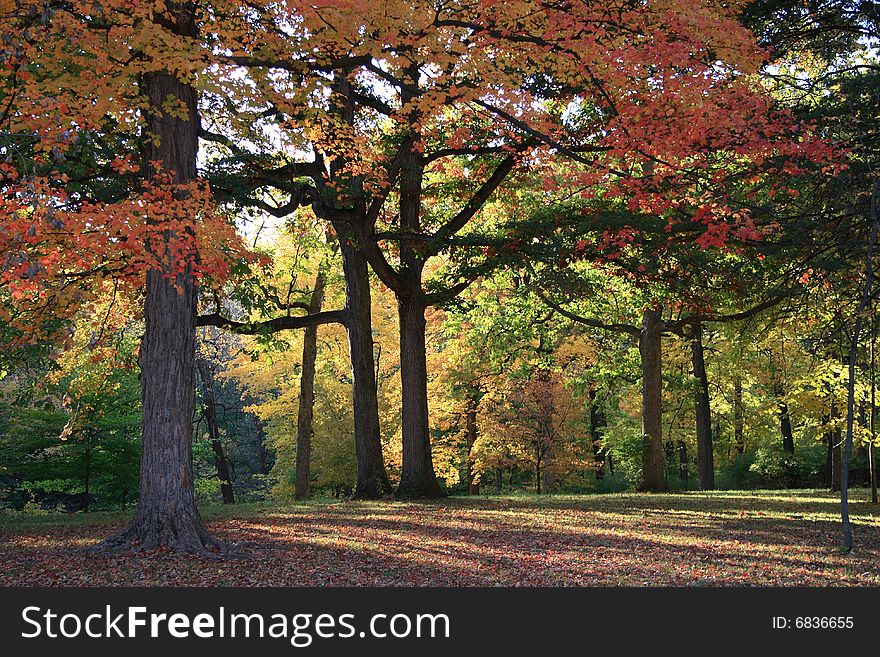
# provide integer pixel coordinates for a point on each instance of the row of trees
(580, 148)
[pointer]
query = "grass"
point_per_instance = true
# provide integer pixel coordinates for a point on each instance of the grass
(738, 538)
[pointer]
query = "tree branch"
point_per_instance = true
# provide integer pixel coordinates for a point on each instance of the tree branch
(274, 325)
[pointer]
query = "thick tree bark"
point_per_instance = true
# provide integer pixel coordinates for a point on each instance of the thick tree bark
(471, 431)
(166, 514)
(650, 348)
(304, 429)
(210, 410)
(739, 440)
(703, 412)
(417, 477)
(372, 479)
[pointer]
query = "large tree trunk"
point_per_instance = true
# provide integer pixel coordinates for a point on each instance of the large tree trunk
(302, 487)
(372, 479)
(210, 408)
(417, 477)
(598, 422)
(703, 412)
(738, 417)
(471, 430)
(650, 348)
(166, 514)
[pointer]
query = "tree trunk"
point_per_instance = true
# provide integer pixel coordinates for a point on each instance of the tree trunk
(302, 489)
(597, 423)
(738, 417)
(784, 420)
(650, 347)
(471, 430)
(210, 408)
(499, 479)
(417, 477)
(372, 479)
(166, 514)
(703, 412)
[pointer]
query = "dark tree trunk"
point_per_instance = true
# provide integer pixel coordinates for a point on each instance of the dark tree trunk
(210, 410)
(598, 422)
(471, 430)
(738, 417)
(650, 348)
(417, 477)
(166, 514)
(372, 479)
(302, 489)
(499, 479)
(703, 412)
(784, 420)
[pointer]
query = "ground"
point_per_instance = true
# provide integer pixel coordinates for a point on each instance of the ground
(759, 538)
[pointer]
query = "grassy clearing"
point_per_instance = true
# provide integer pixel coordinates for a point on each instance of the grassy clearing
(735, 538)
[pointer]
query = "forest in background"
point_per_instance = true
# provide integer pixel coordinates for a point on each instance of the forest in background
(431, 248)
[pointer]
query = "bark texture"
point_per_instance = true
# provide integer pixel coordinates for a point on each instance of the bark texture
(166, 514)
(372, 479)
(417, 477)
